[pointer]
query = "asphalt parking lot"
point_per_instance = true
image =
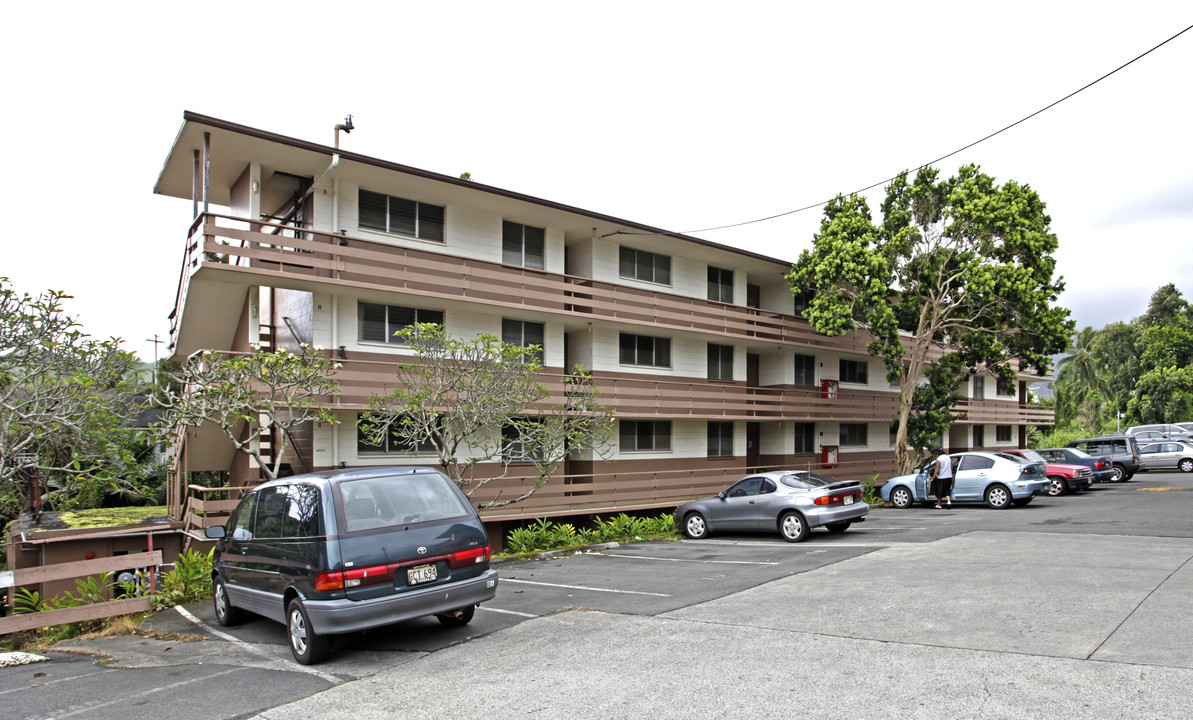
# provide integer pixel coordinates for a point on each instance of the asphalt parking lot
(1074, 606)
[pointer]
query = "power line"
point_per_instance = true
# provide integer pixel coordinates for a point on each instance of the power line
(943, 157)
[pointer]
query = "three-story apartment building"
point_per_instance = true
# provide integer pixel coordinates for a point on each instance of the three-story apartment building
(698, 347)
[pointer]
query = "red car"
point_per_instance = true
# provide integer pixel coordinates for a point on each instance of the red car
(1063, 478)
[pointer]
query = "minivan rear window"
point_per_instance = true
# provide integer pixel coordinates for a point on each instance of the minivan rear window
(391, 500)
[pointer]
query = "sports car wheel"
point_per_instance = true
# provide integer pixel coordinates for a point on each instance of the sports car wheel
(226, 613)
(792, 527)
(998, 497)
(1185, 465)
(694, 526)
(838, 527)
(1056, 486)
(901, 497)
(307, 647)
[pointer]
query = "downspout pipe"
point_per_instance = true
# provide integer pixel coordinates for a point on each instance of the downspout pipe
(335, 161)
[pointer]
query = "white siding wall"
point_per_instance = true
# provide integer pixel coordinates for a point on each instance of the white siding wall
(468, 232)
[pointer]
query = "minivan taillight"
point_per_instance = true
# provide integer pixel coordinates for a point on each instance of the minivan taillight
(353, 577)
(469, 557)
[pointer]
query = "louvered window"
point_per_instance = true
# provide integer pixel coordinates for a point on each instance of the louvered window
(522, 245)
(380, 323)
(642, 265)
(400, 216)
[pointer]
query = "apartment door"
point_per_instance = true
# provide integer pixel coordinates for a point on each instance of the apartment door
(752, 365)
(753, 296)
(753, 446)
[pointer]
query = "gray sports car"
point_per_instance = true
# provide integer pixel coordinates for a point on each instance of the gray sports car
(789, 501)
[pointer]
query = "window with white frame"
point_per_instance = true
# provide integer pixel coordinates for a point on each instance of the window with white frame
(393, 444)
(805, 438)
(523, 245)
(636, 435)
(644, 350)
(515, 447)
(979, 386)
(523, 334)
(380, 323)
(720, 362)
(853, 434)
(803, 301)
(1006, 388)
(805, 370)
(720, 284)
(720, 439)
(643, 265)
(400, 216)
(854, 371)
(1002, 433)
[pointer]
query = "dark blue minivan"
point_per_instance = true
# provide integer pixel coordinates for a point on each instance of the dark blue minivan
(342, 551)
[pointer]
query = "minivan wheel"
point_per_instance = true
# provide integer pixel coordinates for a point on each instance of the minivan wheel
(458, 617)
(226, 614)
(307, 647)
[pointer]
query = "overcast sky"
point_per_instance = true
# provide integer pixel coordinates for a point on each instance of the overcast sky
(681, 115)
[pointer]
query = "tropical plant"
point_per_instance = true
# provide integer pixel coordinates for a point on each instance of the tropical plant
(480, 400)
(249, 396)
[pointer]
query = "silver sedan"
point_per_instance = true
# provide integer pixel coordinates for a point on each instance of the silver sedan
(791, 502)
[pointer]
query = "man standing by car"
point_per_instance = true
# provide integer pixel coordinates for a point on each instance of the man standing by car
(942, 478)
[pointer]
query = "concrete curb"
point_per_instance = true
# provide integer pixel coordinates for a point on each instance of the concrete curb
(548, 554)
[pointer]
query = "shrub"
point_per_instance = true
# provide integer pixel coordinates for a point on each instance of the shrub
(542, 534)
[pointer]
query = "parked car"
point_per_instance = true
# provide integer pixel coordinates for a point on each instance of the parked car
(1186, 425)
(1160, 431)
(1122, 450)
(996, 478)
(342, 551)
(1062, 477)
(1167, 456)
(1102, 467)
(791, 502)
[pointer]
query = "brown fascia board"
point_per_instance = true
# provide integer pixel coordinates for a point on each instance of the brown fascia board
(189, 116)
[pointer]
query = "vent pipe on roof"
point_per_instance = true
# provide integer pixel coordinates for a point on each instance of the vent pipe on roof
(346, 126)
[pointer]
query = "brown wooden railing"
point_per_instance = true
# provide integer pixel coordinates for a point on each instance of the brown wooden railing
(81, 568)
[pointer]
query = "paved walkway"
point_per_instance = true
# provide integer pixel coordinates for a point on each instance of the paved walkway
(982, 625)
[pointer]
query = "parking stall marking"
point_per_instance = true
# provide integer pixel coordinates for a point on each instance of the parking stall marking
(126, 699)
(59, 680)
(710, 562)
(582, 587)
(249, 648)
(506, 612)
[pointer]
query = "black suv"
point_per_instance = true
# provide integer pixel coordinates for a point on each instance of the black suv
(1122, 450)
(342, 551)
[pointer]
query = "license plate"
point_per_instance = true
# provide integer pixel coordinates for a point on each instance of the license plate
(421, 574)
(848, 500)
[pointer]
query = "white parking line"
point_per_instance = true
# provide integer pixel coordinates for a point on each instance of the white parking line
(582, 587)
(51, 682)
(507, 612)
(710, 562)
(249, 648)
(124, 700)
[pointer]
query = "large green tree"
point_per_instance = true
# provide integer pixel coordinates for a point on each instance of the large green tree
(65, 402)
(1164, 392)
(958, 266)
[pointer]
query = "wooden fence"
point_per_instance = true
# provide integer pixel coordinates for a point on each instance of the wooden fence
(65, 571)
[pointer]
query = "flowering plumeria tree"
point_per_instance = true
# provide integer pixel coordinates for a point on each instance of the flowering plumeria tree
(249, 395)
(480, 401)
